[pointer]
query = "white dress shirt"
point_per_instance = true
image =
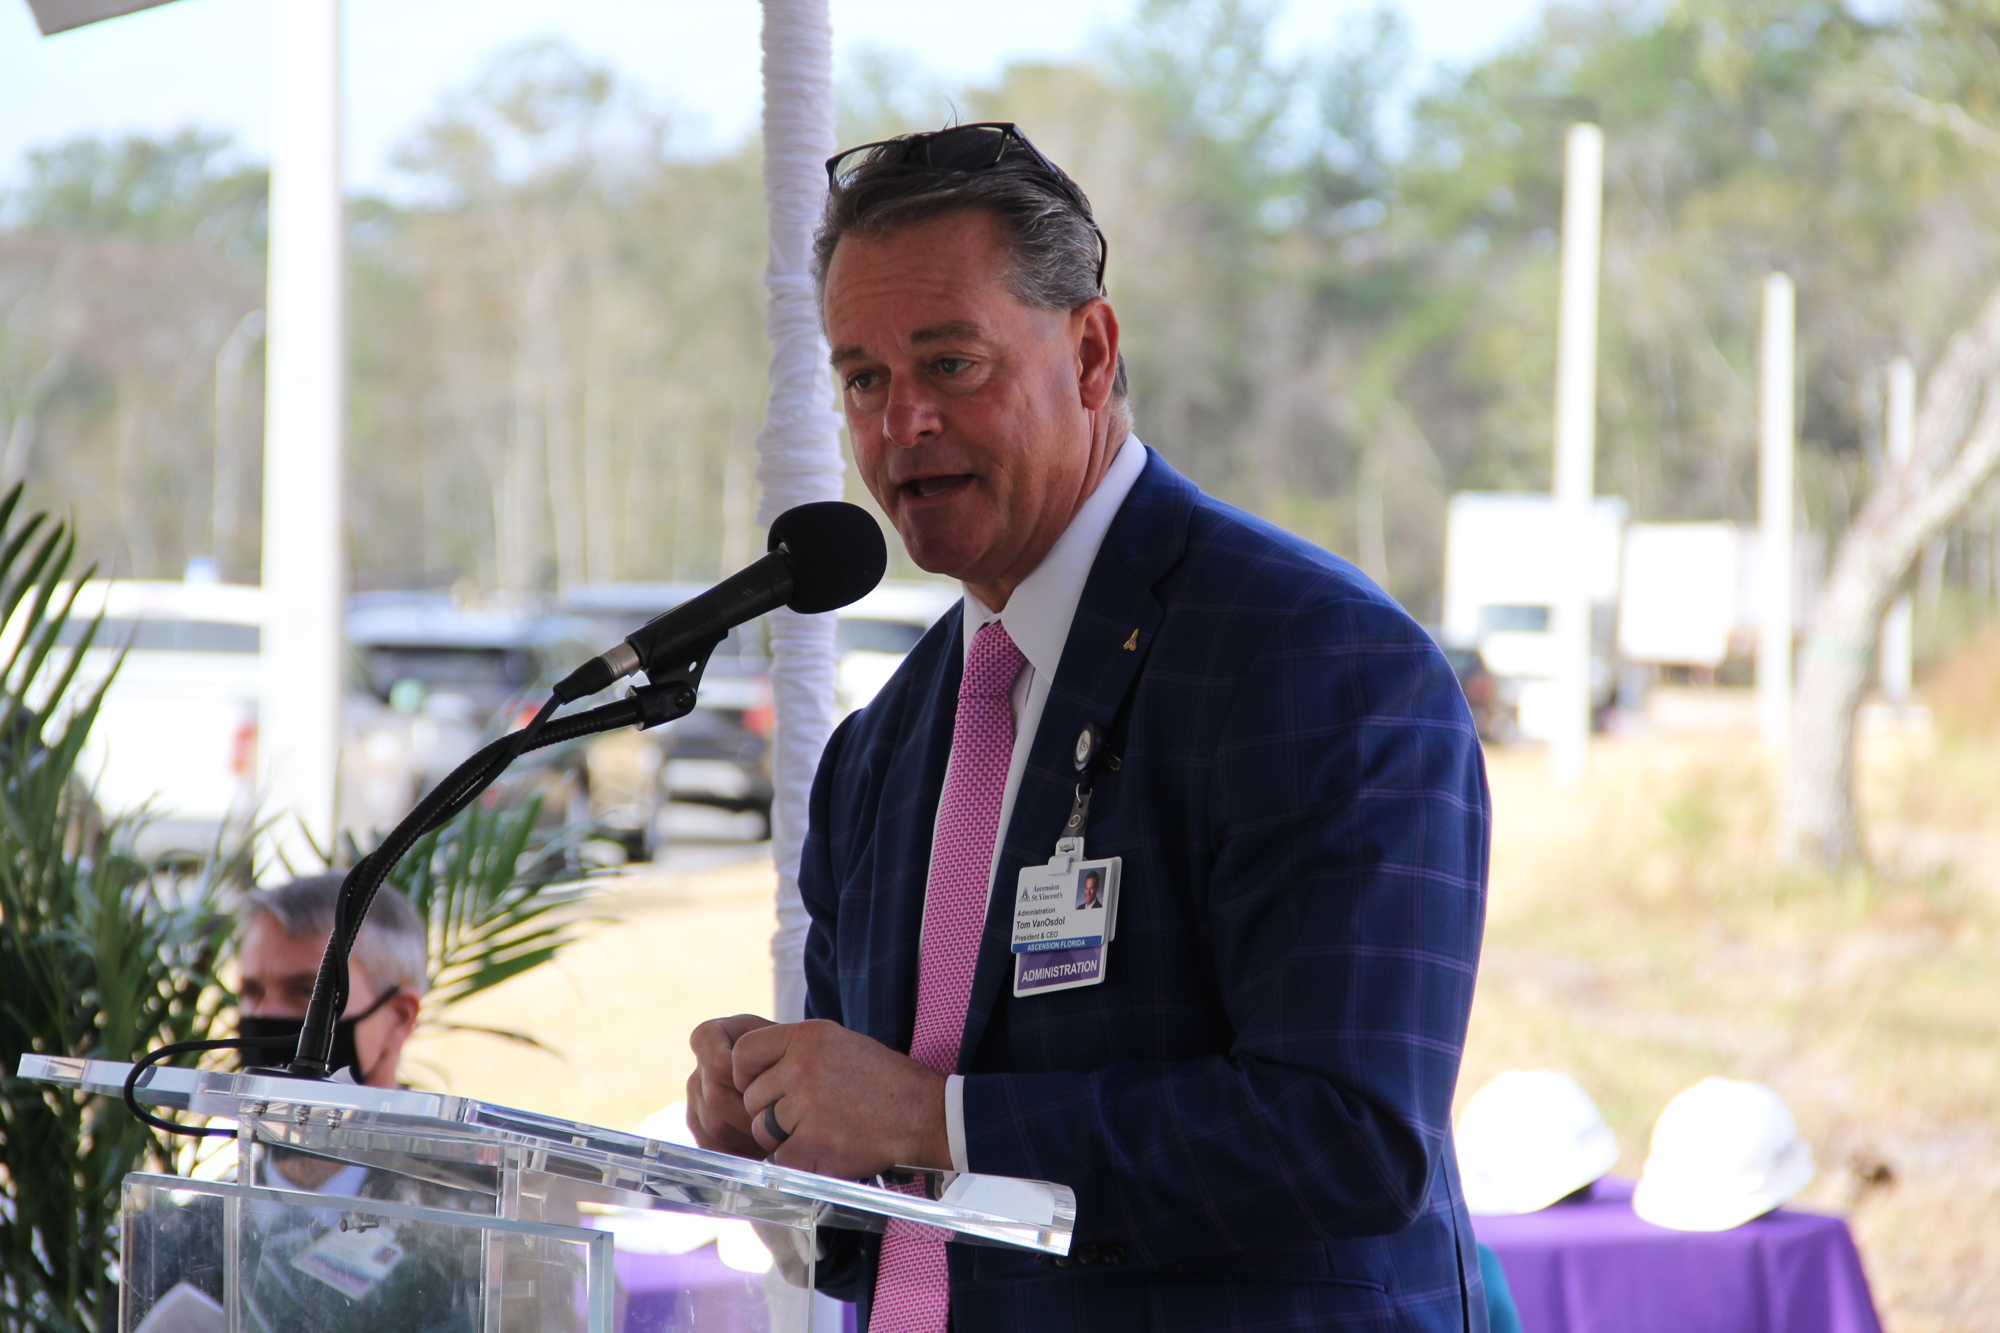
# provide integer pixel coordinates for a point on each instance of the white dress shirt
(1037, 619)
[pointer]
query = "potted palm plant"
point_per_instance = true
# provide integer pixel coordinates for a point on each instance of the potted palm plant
(106, 956)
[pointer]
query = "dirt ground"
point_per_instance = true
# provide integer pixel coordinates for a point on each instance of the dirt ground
(1640, 938)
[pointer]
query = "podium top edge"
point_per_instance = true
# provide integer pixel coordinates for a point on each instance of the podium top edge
(107, 1077)
(1023, 1214)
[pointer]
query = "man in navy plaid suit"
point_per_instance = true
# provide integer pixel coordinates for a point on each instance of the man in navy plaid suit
(1250, 1094)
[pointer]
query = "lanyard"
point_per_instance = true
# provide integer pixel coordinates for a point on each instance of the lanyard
(1091, 757)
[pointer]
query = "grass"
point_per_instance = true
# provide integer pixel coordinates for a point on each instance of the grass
(1640, 938)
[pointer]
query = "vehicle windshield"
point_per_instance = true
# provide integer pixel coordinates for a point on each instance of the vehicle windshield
(483, 671)
(163, 635)
(878, 636)
(1513, 619)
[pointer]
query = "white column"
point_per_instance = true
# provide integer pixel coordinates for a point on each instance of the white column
(1776, 436)
(1576, 442)
(798, 460)
(798, 451)
(225, 512)
(305, 357)
(1899, 431)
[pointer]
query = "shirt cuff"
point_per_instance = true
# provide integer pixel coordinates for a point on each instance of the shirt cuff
(954, 1120)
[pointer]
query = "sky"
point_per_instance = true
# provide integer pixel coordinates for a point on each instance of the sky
(202, 62)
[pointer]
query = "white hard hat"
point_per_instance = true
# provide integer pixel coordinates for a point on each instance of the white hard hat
(1529, 1138)
(1723, 1152)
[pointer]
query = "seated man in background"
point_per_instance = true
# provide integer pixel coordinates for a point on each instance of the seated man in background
(282, 933)
(304, 1270)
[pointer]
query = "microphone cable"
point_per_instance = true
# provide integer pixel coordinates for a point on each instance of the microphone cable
(171, 1049)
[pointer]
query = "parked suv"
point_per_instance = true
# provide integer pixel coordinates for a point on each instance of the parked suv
(718, 755)
(431, 682)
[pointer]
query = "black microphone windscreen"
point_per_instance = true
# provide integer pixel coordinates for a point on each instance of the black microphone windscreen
(837, 553)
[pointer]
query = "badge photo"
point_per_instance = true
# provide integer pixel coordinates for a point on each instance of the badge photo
(1091, 894)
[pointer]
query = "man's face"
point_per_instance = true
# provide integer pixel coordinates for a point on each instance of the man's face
(275, 980)
(977, 420)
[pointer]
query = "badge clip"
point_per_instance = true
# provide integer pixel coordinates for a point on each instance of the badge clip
(1069, 847)
(1090, 756)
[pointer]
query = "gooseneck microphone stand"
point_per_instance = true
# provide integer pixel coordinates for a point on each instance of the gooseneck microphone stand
(645, 706)
(669, 695)
(821, 556)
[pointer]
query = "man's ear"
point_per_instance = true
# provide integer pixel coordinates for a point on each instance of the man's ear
(401, 1011)
(401, 1014)
(1094, 326)
(405, 1007)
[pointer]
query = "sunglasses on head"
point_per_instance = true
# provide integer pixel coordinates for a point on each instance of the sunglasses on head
(979, 147)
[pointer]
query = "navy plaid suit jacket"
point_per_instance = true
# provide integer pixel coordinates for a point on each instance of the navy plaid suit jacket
(1254, 1107)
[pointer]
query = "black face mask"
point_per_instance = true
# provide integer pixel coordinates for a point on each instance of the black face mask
(270, 1029)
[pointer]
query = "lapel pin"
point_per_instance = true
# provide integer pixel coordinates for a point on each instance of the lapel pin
(1132, 644)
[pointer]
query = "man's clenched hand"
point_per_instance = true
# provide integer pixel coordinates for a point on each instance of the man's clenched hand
(849, 1106)
(715, 1103)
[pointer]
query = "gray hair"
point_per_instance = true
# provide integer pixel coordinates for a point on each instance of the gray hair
(1052, 243)
(393, 947)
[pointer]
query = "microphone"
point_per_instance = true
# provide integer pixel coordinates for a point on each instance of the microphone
(821, 556)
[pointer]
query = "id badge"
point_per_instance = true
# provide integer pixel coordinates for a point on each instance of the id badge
(353, 1263)
(1065, 917)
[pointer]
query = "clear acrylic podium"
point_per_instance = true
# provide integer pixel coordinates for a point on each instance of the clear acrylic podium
(441, 1214)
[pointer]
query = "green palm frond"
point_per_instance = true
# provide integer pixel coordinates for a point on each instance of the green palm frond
(501, 897)
(100, 955)
(506, 1034)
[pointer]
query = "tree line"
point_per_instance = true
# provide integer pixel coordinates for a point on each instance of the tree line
(1338, 297)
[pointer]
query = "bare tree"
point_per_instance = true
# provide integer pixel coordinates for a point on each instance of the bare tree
(1956, 450)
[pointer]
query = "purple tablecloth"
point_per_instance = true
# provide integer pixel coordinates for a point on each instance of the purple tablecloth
(1595, 1267)
(689, 1293)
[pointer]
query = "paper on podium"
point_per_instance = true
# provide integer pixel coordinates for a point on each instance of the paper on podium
(185, 1309)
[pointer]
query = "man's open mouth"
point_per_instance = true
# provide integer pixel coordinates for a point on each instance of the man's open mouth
(926, 487)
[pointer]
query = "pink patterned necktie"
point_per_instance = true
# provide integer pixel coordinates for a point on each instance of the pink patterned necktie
(912, 1285)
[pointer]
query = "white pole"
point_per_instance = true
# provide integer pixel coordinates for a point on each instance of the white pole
(1900, 422)
(225, 510)
(798, 461)
(798, 451)
(1776, 443)
(305, 357)
(1576, 442)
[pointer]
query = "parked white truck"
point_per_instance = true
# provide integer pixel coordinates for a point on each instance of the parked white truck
(176, 736)
(1507, 561)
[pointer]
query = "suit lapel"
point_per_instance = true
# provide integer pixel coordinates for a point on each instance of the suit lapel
(1109, 639)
